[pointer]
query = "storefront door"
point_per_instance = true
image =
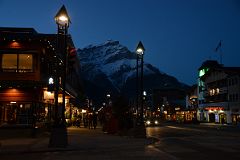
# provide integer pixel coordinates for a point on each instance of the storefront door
(222, 118)
(211, 117)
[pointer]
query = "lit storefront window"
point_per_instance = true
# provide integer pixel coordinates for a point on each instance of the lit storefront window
(17, 63)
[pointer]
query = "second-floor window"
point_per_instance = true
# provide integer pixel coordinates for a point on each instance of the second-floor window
(17, 63)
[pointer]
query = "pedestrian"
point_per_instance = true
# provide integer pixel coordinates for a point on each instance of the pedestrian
(222, 120)
(90, 121)
(94, 120)
(78, 123)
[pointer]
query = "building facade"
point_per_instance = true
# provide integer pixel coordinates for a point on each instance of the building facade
(28, 60)
(218, 93)
(190, 112)
(168, 102)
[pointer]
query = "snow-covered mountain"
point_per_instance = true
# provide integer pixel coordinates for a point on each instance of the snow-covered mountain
(111, 67)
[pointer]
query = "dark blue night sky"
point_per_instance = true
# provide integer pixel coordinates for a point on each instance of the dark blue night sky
(178, 34)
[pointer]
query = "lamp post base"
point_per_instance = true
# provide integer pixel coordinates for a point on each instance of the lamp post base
(58, 137)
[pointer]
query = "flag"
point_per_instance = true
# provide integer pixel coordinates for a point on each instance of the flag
(218, 46)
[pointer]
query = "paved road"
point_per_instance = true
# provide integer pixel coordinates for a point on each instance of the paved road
(197, 142)
(172, 142)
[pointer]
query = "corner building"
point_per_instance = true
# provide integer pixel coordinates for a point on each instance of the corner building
(218, 93)
(27, 62)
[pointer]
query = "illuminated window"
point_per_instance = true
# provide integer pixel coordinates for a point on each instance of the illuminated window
(25, 63)
(17, 63)
(9, 62)
(211, 92)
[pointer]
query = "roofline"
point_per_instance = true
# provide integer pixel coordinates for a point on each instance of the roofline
(30, 32)
(18, 30)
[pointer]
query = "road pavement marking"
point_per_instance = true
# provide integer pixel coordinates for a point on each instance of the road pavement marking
(184, 128)
(163, 154)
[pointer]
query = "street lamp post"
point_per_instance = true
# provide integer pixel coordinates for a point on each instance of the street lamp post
(137, 86)
(108, 100)
(63, 20)
(140, 130)
(58, 136)
(140, 51)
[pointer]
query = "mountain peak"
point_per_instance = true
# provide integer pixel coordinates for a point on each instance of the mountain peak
(117, 64)
(111, 42)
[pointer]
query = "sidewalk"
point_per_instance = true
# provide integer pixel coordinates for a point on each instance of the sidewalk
(87, 141)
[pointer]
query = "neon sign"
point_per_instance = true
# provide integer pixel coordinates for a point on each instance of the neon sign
(214, 108)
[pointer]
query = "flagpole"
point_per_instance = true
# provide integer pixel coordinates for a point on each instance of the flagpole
(219, 50)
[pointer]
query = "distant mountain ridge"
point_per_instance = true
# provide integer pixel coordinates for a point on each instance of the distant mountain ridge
(111, 68)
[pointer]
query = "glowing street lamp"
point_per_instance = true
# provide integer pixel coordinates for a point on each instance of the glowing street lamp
(140, 52)
(63, 20)
(140, 48)
(58, 136)
(108, 100)
(140, 127)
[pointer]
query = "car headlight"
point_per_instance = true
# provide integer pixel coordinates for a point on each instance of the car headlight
(148, 122)
(156, 122)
